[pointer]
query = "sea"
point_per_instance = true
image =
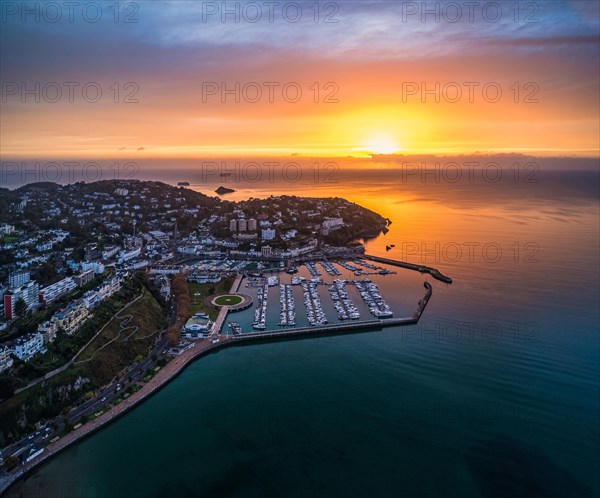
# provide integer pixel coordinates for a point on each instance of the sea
(495, 393)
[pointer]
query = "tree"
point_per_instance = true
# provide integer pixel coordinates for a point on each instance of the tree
(7, 388)
(20, 307)
(173, 335)
(11, 462)
(46, 273)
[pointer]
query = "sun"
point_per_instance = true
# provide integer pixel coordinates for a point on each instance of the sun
(381, 144)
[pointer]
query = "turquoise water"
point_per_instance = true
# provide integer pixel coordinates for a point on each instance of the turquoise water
(495, 393)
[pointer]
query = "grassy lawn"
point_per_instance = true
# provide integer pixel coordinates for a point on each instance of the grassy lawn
(228, 300)
(199, 292)
(48, 399)
(147, 316)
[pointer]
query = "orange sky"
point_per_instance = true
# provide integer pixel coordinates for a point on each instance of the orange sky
(370, 62)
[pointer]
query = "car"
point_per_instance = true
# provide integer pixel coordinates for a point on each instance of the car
(103, 399)
(31, 436)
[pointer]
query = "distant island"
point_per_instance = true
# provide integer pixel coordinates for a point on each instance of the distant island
(224, 190)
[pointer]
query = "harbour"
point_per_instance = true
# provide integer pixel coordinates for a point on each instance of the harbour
(318, 293)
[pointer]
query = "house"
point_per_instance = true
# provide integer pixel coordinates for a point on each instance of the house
(28, 346)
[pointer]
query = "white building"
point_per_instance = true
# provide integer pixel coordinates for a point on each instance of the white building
(6, 360)
(6, 229)
(29, 345)
(333, 223)
(268, 233)
(18, 279)
(48, 330)
(71, 318)
(54, 291)
(95, 266)
(158, 235)
(91, 299)
(252, 225)
(44, 246)
(127, 255)
(299, 251)
(30, 293)
(109, 287)
(247, 236)
(188, 249)
(242, 225)
(110, 251)
(233, 225)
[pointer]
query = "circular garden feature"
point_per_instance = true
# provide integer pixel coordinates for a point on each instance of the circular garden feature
(228, 300)
(234, 302)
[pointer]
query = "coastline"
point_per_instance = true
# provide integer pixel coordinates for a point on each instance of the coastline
(178, 364)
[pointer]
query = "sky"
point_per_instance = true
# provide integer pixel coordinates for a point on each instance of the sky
(187, 79)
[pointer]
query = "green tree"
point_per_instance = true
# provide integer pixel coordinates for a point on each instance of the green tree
(11, 462)
(46, 273)
(20, 307)
(7, 388)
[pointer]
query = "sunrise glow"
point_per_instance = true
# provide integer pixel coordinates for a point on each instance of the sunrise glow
(305, 88)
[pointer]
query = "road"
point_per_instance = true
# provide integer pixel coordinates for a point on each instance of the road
(103, 398)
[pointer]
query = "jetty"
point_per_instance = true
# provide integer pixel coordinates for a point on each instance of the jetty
(411, 266)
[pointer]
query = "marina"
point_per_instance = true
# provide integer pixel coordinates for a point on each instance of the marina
(286, 303)
(370, 294)
(343, 304)
(312, 302)
(330, 269)
(348, 266)
(260, 313)
(320, 292)
(312, 269)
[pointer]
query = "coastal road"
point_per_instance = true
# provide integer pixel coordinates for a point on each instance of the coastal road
(103, 398)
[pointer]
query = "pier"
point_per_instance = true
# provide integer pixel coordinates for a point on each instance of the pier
(420, 268)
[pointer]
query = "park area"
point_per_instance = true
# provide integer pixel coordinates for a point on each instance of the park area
(199, 293)
(228, 300)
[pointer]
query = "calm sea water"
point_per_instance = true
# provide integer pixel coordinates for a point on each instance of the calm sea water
(495, 393)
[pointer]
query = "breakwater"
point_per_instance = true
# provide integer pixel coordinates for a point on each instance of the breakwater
(435, 273)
